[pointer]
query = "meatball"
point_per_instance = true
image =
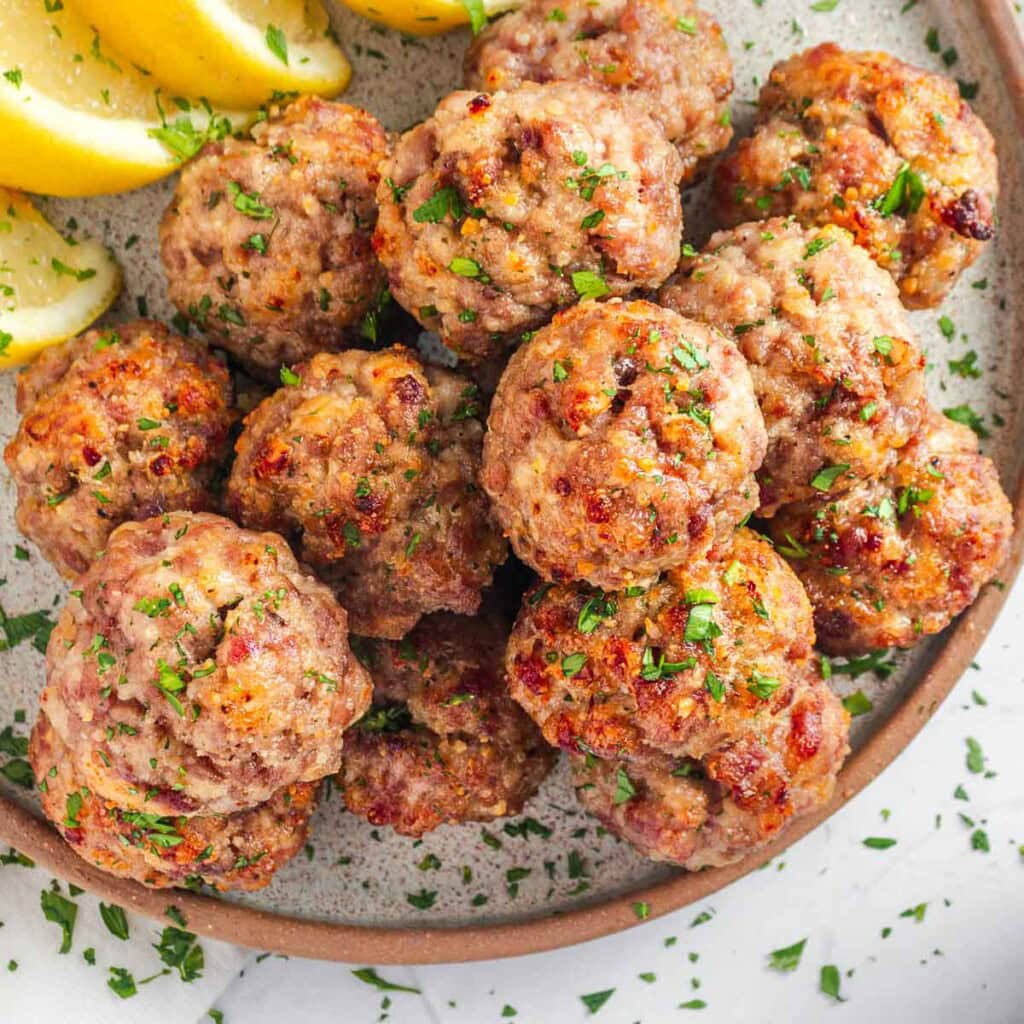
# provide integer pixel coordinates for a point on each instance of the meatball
(116, 425)
(368, 461)
(896, 559)
(704, 654)
(444, 742)
(237, 851)
(622, 441)
(666, 57)
(198, 669)
(714, 809)
(836, 368)
(887, 150)
(499, 210)
(267, 242)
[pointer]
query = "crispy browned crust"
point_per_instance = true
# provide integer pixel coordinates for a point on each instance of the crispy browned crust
(466, 751)
(837, 369)
(622, 441)
(199, 669)
(715, 809)
(834, 130)
(666, 58)
(297, 277)
(235, 851)
(547, 181)
(369, 464)
(896, 559)
(116, 425)
(583, 663)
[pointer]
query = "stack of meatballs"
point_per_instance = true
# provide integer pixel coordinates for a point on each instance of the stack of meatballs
(710, 462)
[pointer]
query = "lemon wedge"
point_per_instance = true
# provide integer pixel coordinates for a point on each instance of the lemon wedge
(233, 52)
(50, 289)
(77, 118)
(429, 17)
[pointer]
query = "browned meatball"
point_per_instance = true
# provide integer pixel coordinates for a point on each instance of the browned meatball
(500, 209)
(706, 811)
(235, 851)
(622, 441)
(896, 559)
(267, 243)
(116, 425)
(702, 655)
(836, 367)
(444, 743)
(666, 57)
(885, 149)
(198, 669)
(369, 462)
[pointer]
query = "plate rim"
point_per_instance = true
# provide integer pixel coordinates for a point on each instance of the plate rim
(401, 945)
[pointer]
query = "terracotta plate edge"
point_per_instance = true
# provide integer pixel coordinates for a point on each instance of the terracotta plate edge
(323, 940)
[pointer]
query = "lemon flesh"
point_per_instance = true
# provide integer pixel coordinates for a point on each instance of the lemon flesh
(236, 53)
(77, 118)
(50, 290)
(423, 17)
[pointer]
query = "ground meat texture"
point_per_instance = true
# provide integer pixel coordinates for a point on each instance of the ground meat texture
(234, 851)
(836, 367)
(706, 652)
(444, 742)
(500, 209)
(369, 463)
(198, 669)
(667, 58)
(714, 810)
(879, 147)
(267, 242)
(622, 441)
(896, 559)
(116, 425)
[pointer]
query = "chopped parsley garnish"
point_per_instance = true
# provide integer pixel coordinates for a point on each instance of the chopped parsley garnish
(477, 14)
(572, 663)
(762, 686)
(391, 718)
(969, 418)
(444, 201)
(825, 478)
(277, 43)
(465, 267)
(879, 843)
(589, 285)
(369, 976)
(249, 202)
(858, 703)
(787, 958)
(624, 789)
(874, 662)
(652, 669)
(975, 757)
(967, 367)
(170, 685)
(61, 911)
(115, 920)
(829, 982)
(595, 1000)
(594, 612)
(179, 949)
(422, 900)
(905, 194)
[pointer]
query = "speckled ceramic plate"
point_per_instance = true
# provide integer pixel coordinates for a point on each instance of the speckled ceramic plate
(347, 899)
